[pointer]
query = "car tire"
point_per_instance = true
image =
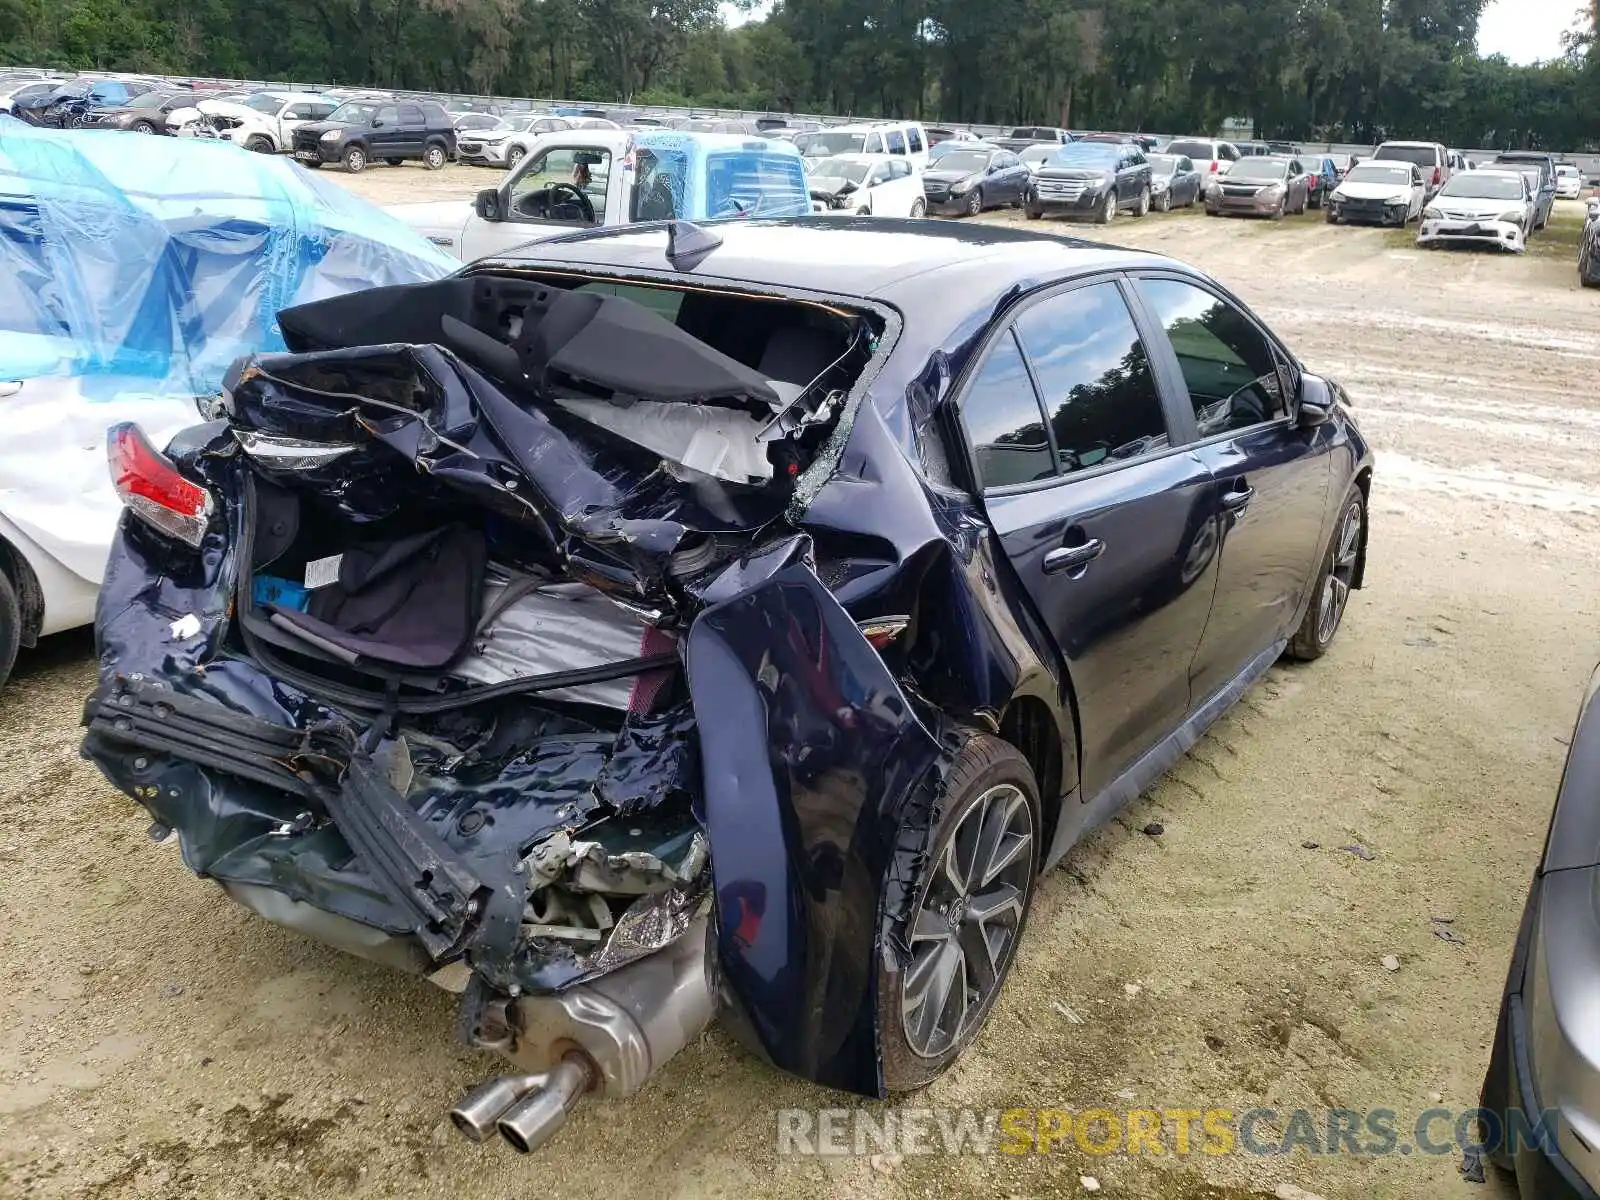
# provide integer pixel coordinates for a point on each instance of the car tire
(355, 160)
(1331, 217)
(144, 127)
(1164, 202)
(1108, 210)
(1331, 591)
(988, 805)
(10, 627)
(975, 202)
(919, 209)
(434, 157)
(1032, 211)
(1283, 207)
(260, 143)
(514, 156)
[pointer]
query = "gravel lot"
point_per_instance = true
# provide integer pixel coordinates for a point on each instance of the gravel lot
(156, 1040)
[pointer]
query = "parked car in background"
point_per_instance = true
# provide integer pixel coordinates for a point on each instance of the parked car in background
(1035, 156)
(1209, 157)
(1322, 176)
(1023, 136)
(360, 132)
(1378, 192)
(1569, 181)
(1430, 158)
(940, 133)
(22, 90)
(264, 122)
(877, 185)
(1589, 247)
(973, 178)
(146, 113)
(1540, 168)
(939, 149)
(1091, 179)
(1543, 1081)
(1287, 149)
(1479, 208)
(1343, 162)
(885, 137)
(1174, 182)
(65, 106)
(507, 141)
(473, 122)
(1253, 149)
(581, 179)
(1260, 187)
(886, 684)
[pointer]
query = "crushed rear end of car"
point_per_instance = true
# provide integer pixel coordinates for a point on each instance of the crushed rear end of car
(476, 636)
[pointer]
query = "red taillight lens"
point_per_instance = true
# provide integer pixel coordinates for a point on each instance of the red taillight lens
(1213, 166)
(1436, 175)
(151, 487)
(880, 631)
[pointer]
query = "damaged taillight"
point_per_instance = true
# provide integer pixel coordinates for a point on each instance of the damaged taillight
(152, 488)
(880, 631)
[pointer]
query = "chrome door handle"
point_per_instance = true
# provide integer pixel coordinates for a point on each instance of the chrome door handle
(1067, 557)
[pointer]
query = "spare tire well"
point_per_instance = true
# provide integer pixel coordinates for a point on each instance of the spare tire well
(1028, 725)
(30, 596)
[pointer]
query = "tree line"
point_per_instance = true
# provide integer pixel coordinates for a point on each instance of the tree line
(1340, 70)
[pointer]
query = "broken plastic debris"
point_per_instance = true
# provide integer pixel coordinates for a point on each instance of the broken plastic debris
(1072, 1017)
(185, 627)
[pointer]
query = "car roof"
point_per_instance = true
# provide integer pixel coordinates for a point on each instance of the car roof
(1403, 142)
(868, 257)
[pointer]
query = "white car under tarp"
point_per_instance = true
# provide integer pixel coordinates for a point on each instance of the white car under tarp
(133, 271)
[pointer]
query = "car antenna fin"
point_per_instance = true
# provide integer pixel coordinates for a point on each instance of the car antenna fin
(688, 244)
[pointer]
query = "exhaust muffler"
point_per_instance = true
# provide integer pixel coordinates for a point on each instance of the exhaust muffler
(607, 1036)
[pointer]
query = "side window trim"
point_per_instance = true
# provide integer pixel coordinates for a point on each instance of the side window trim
(1006, 325)
(1171, 373)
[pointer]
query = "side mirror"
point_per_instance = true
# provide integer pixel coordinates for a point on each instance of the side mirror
(1314, 405)
(487, 204)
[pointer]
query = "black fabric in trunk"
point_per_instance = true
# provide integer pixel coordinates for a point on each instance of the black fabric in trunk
(409, 602)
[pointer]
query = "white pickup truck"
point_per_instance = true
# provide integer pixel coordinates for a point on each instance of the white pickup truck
(591, 178)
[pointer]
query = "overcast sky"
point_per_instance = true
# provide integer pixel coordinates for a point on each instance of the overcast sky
(1525, 30)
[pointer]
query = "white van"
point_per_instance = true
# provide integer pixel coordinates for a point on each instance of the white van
(898, 138)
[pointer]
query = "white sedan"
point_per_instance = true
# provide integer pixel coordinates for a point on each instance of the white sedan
(1481, 208)
(880, 185)
(1378, 193)
(1569, 181)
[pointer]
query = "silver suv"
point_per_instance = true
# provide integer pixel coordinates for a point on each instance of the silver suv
(1431, 157)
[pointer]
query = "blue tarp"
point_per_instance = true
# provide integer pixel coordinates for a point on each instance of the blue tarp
(160, 260)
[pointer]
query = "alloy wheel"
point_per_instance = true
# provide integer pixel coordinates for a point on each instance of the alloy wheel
(1341, 573)
(964, 926)
(975, 202)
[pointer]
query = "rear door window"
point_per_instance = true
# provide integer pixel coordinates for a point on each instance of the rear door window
(1003, 421)
(897, 142)
(412, 115)
(1094, 375)
(915, 135)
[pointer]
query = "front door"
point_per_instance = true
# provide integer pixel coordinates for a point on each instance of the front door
(1103, 520)
(1270, 479)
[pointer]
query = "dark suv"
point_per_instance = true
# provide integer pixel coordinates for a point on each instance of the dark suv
(362, 131)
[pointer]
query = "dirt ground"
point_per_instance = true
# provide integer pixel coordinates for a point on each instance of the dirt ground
(156, 1040)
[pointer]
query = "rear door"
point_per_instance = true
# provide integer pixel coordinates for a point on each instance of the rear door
(413, 128)
(385, 136)
(1104, 521)
(1270, 479)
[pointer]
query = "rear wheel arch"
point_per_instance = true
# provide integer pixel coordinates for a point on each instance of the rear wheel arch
(1033, 730)
(30, 596)
(1363, 481)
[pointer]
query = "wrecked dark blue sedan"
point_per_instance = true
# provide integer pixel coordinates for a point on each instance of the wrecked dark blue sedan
(729, 620)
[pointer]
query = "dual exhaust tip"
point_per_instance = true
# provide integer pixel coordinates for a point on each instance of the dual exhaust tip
(526, 1110)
